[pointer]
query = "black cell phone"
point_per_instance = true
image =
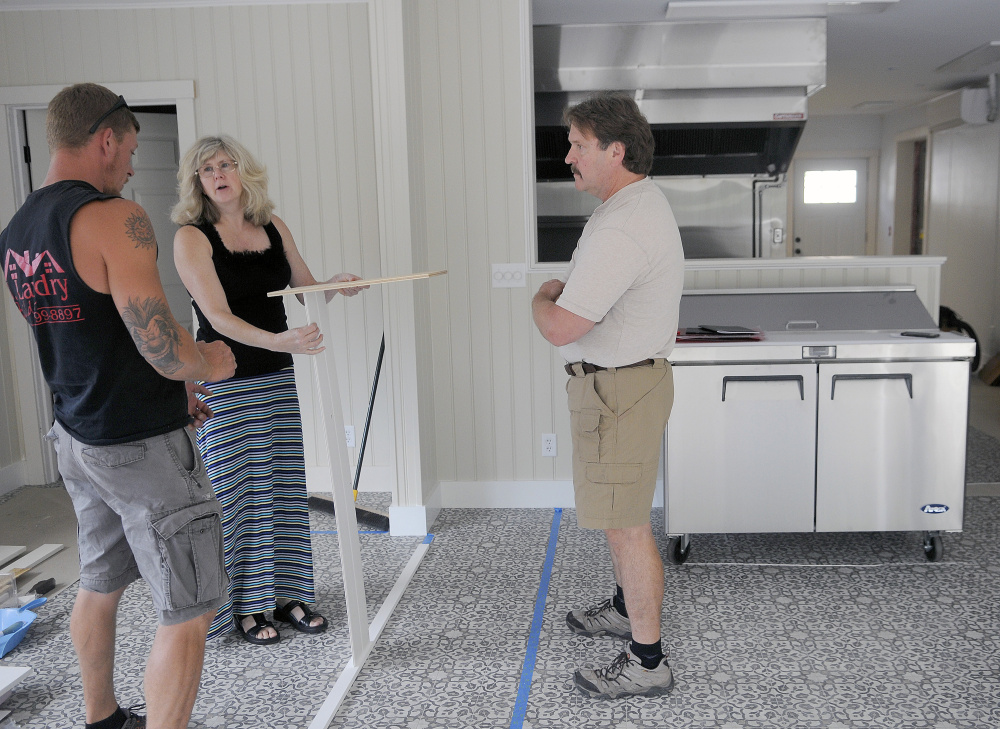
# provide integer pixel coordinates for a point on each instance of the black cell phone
(925, 335)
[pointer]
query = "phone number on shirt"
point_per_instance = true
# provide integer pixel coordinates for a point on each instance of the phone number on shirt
(57, 314)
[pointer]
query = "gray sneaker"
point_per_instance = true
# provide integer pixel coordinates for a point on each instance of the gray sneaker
(134, 721)
(625, 677)
(601, 619)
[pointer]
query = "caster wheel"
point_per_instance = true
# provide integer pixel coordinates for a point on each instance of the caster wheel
(675, 553)
(933, 548)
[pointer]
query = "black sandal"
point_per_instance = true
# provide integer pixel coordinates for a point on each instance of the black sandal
(284, 614)
(260, 623)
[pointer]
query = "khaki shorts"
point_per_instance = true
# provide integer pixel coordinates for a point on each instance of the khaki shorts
(147, 508)
(617, 418)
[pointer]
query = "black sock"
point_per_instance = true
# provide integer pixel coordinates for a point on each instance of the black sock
(649, 654)
(115, 721)
(619, 601)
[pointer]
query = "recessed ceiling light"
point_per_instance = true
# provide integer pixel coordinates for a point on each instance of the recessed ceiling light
(977, 58)
(873, 105)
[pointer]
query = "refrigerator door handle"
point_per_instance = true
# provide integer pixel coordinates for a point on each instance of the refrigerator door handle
(908, 378)
(763, 378)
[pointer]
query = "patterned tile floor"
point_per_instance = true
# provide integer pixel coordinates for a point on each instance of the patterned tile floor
(839, 631)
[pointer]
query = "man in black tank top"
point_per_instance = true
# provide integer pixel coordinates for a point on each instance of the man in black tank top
(80, 263)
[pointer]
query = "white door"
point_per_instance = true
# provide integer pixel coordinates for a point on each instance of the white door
(830, 207)
(154, 186)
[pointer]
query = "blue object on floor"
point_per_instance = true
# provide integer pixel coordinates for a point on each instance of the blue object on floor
(10, 616)
(528, 669)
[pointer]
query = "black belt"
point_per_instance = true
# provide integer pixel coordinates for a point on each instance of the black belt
(589, 369)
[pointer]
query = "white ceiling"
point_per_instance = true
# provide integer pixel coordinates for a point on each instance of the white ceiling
(891, 56)
(876, 62)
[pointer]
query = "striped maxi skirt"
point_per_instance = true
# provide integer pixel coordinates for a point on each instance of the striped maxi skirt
(252, 448)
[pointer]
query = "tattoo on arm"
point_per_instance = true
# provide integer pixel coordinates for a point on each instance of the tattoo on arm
(154, 332)
(140, 229)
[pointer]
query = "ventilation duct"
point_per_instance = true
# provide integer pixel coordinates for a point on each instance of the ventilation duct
(965, 106)
(722, 97)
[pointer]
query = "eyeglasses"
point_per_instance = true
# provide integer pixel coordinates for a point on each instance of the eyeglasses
(120, 104)
(224, 168)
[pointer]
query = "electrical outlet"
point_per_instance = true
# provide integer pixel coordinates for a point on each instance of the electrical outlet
(549, 445)
(509, 275)
(349, 434)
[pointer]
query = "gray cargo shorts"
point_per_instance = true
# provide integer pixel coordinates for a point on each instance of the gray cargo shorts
(146, 508)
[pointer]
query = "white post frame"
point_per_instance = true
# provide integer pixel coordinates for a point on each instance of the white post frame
(526, 39)
(331, 407)
(409, 513)
(362, 635)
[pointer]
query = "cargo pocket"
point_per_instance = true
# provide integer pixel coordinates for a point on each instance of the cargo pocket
(191, 562)
(586, 437)
(614, 474)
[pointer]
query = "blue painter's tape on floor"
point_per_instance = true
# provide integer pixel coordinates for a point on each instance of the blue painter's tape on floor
(334, 531)
(428, 539)
(528, 670)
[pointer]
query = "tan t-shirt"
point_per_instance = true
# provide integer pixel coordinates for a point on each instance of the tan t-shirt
(627, 275)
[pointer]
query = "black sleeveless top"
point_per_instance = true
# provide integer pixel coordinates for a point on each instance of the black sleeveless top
(246, 279)
(103, 391)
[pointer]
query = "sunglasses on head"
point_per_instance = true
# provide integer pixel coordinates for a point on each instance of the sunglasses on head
(118, 105)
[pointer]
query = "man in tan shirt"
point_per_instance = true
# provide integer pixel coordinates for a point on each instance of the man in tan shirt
(614, 319)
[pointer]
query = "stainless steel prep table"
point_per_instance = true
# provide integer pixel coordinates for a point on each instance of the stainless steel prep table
(834, 422)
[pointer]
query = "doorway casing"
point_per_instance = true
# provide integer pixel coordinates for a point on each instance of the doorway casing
(28, 388)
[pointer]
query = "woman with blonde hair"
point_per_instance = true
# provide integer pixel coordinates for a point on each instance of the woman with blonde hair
(230, 252)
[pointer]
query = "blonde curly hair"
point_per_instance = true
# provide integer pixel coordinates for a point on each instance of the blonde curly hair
(195, 207)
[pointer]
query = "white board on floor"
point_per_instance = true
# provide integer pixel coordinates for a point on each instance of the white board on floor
(8, 553)
(34, 557)
(11, 676)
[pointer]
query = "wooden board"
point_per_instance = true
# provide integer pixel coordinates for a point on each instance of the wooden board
(353, 284)
(33, 558)
(9, 553)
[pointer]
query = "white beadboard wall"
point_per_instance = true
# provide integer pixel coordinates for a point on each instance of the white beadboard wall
(496, 387)
(303, 101)
(293, 83)
(922, 272)
(964, 225)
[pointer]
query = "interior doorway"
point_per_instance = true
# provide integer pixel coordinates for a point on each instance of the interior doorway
(27, 395)
(154, 185)
(912, 188)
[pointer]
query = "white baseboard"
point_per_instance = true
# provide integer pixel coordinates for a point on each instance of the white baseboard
(12, 477)
(416, 520)
(515, 494)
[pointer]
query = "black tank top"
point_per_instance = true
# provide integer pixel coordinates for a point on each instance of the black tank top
(103, 391)
(246, 279)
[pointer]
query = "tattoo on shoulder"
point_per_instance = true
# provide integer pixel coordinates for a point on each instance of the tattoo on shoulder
(154, 332)
(140, 229)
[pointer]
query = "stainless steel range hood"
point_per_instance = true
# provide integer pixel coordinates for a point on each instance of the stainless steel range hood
(722, 97)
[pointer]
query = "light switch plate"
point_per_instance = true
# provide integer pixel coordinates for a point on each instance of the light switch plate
(509, 275)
